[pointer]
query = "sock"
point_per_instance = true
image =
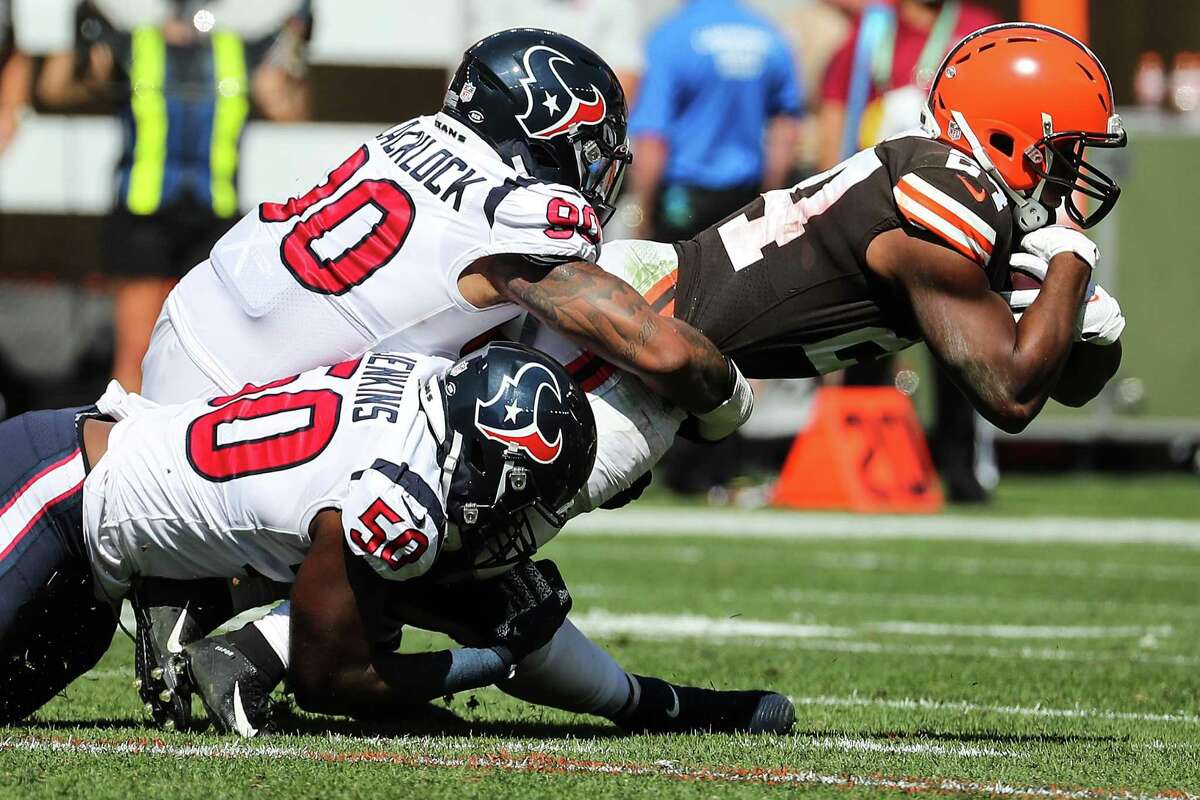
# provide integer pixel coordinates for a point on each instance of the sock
(573, 674)
(275, 628)
(254, 646)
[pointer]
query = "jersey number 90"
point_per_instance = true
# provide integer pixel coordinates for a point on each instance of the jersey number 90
(358, 261)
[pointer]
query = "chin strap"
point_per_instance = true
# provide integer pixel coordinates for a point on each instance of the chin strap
(1030, 214)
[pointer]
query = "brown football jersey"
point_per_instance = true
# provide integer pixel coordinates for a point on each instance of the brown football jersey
(782, 286)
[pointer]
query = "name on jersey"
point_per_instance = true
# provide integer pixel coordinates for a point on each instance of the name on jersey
(381, 388)
(443, 174)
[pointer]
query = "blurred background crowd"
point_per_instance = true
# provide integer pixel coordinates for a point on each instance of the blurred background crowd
(134, 132)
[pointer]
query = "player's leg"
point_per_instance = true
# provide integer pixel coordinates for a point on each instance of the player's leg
(572, 673)
(173, 614)
(169, 375)
(52, 628)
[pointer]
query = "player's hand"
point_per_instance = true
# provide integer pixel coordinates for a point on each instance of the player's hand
(725, 419)
(533, 602)
(1053, 240)
(1100, 318)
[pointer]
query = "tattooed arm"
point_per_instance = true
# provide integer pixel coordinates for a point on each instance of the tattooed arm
(606, 315)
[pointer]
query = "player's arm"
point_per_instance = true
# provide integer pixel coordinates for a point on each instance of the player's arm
(1007, 369)
(606, 315)
(337, 605)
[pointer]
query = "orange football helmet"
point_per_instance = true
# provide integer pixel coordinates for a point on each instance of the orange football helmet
(1026, 101)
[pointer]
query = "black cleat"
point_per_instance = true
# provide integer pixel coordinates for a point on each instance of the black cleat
(667, 708)
(162, 633)
(234, 691)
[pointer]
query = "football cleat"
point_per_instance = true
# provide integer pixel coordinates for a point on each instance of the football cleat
(667, 708)
(236, 694)
(162, 632)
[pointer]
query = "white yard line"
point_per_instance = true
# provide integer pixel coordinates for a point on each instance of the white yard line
(964, 707)
(849, 744)
(605, 623)
(534, 762)
(736, 524)
(911, 628)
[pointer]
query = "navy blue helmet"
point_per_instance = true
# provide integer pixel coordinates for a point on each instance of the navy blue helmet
(528, 442)
(552, 104)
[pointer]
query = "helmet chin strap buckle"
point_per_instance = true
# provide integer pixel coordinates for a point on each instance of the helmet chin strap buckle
(518, 478)
(470, 513)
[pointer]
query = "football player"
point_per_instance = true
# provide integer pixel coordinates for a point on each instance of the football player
(431, 235)
(909, 240)
(351, 480)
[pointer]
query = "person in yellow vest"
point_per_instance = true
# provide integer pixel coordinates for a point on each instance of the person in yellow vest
(184, 80)
(15, 73)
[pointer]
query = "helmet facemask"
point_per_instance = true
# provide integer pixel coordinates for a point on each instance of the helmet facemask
(1059, 159)
(601, 155)
(497, 532)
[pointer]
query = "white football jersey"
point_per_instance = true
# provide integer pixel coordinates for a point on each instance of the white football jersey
(371, 257)
(229, 486)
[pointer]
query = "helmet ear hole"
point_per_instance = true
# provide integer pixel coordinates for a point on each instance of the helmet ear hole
(1003, 143)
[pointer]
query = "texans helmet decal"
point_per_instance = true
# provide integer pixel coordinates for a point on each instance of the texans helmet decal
(558, 109)
(505, 418)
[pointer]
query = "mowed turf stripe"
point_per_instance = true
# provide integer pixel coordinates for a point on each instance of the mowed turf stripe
(840, 639)
(962, 706)
(543, 763)
(737, 524)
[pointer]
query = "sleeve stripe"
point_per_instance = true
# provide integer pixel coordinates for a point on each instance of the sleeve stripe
(919, 215)
(918, 187)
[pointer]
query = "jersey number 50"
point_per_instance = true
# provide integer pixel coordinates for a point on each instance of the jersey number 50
(268, 433)
(358, 260)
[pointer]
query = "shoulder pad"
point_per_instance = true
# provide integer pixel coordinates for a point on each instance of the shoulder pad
(958, 204)
(393, 520)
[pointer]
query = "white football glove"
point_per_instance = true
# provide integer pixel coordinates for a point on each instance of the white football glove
(1100, 319)
(1053, 240)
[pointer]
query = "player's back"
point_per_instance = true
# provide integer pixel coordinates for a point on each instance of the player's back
(783, 285)
(372, 256)
(221, 486)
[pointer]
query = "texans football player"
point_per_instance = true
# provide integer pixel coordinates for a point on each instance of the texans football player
(355, 481)
(428, 236)
(912, 239)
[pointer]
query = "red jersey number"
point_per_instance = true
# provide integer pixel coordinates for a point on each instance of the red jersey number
(380, 245)
(405, 549)
(566, 218)
(268, 433)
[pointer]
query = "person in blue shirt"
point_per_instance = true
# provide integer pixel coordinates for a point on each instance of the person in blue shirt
(716, 119)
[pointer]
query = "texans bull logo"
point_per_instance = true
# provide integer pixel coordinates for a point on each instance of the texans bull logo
(559, 107)
(506, 417)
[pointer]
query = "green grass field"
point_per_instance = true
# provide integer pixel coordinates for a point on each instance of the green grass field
(1021, 655)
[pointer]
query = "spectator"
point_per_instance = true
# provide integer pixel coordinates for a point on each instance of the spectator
(719, 82)
(610, 27)
(715, 122)
(14, 78)
(183, 80)
(877, 80)
(875, 87)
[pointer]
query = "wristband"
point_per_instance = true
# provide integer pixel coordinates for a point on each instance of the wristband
(732, 414)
